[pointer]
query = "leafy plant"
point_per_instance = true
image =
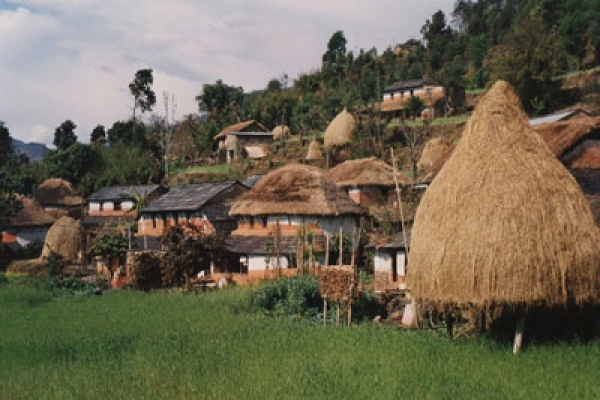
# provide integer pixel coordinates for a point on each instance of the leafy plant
(296, 296)
(109, 246)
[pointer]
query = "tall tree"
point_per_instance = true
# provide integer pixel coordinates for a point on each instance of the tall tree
(221, 101)
(336, 49)
(98, 135)
(144, 97)
(64, 135)
(6, 149)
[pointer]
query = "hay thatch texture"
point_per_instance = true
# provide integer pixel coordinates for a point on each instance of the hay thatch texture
(435, 154)
(31, 214)
(504, 222)
(562, 136)
(365, 172)
(340, 131)
(314, 151)
(64, 238)
(296, 190)
(280, 132)
(55, 191)
(337, 284)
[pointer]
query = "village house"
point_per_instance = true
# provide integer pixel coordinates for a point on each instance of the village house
(389, 263)
(203, 207)
(272, 214)
(246, 139)
(397, 95)
(59, 198)
(30, 224)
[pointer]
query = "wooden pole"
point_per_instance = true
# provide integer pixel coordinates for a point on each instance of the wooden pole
(349, 313)
(341, 247)
(325, 311)
(398, 194)
(519, 333)
(337, 316)
(326, 250)
(449, 326)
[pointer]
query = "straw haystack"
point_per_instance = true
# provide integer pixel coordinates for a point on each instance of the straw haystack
(280, 132)
(504, 222)
(295, 190)
(340, 131)
(31, 214)
(370, 171)
(57, 192)
(65, 239)
(562, 136)
(314, 151)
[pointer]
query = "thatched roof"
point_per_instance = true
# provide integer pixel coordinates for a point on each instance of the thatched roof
(281, 131)
(57, 192)
(563, 136)
(64, 238)
(314, 151)
(30, 215)
(341, 130)
(295, 190)
(246, 126)
(504, 222)
(370, 171)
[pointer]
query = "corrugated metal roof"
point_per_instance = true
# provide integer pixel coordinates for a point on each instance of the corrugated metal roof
(258, 244)
(250, 181)
(189, 197)
(411, 84)
(122, 192)
(552, 118)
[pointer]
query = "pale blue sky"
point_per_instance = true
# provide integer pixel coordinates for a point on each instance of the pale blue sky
(73, 59)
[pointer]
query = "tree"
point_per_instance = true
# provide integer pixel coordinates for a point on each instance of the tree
(141, 90)
(72, 164)
(64, 135)
(6, 150)
(98, 136)
(415, 106)
(9, 184)
(221, 101)
(336, 49)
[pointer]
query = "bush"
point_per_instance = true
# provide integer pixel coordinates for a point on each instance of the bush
(3, 278)
(296, 296)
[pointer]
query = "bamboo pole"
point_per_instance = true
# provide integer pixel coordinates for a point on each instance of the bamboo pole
(350, 313)
(325, 311)
(337, 316)
(341, 247)
(326, 250)
(398, 194)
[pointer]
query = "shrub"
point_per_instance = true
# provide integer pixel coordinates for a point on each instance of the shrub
(296, 296)
(3, 278)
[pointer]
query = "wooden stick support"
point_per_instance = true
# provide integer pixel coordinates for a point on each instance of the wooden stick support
(337, 317)
(341, 247)
(326, 250)
(519, 333)
(449, 326)
(325, 312)
(349, 313)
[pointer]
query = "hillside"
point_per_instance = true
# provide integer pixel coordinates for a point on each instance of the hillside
(34, 151)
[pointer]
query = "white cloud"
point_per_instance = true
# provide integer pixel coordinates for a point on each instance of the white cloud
(73, 59)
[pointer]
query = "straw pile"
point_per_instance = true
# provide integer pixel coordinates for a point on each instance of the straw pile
(337, 284)
(314, 151)
(435, 153)
(295, 190)
(340, 131)
(64, 238)
(504, 222)
(280, 132)
(365, 172)
(31, 214)
(55, 191)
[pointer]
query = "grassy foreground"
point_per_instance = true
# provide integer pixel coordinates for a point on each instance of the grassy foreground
(137, 345)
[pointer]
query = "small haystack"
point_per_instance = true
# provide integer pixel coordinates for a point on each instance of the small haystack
(280, 132)
(295, 190)
(435, 153)
(340, 131)
(57, 192)
(370, 171)
(314, 151)
(504, 222)
(563, 136)
(65, 239)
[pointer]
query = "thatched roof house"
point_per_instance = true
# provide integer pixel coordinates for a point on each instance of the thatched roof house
(59, 197)
(29, 224)
(281, 131)
(504, 222)
(245, 126)
(314, 151)
(340, 130)
(295, 190)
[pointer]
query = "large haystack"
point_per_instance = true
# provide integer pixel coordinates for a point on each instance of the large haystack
(340, 131)
(314, 151)
(57, 192)
(280, 132)
(370, 171)
(64, 238)
(504, 222)
(295, 190)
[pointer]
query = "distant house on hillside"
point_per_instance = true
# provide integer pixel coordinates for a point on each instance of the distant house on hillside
(30, 224)
(59, 198)
(204, 207)
(246, 139)
(397, 95)
(389, 263)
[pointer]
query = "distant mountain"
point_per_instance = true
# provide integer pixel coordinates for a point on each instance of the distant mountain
(35, 151)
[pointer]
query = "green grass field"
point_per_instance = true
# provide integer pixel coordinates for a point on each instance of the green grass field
(170, 345)
(209, 169)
